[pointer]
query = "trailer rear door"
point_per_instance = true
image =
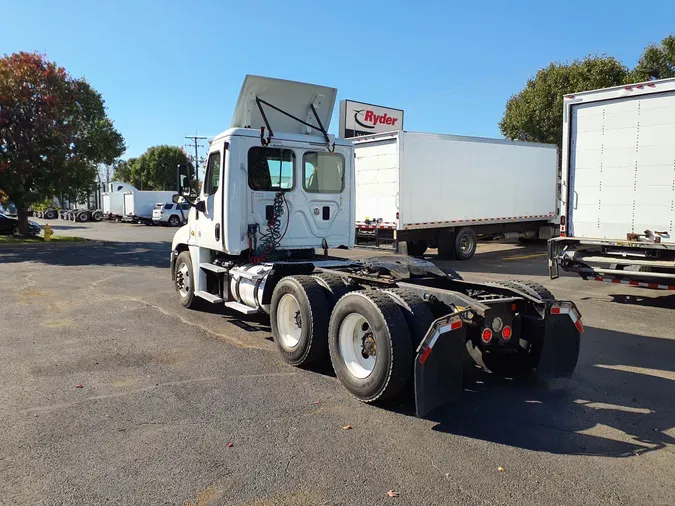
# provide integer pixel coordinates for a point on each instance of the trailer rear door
(622, 166)
(377, 178)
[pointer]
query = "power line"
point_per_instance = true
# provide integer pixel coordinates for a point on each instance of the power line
(196, 145)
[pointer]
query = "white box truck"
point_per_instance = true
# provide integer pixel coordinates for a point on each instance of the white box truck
(618, 177)
(112, 200)
(445, 191)
(138, 205)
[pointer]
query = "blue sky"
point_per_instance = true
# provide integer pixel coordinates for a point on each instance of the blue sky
(167, 69)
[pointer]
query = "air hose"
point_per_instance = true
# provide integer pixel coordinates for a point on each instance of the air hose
(271, 239)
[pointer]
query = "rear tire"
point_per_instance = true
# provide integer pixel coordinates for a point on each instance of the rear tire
(334, 286)
(174, 221)
(82, 217)
(184, 275)
(369, 345)
(299, 320)
(417, 313)
(417, 248)
(50, 215)
(465, 243)
(533, 288)
(97, 216)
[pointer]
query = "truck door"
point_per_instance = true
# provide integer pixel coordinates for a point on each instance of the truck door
(208, 227)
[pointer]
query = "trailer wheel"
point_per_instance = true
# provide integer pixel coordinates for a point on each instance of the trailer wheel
(82, 217)
(417, 313)
(184, 276)
(97, 216)
(50, 214)
(369, 344)
(174, 220)
(416, 248)
(299, 320)
(465, 243)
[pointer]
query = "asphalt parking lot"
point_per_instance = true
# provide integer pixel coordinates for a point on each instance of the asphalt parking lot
(110, 392)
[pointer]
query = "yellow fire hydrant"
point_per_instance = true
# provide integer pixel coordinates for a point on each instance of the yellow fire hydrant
(48, 232)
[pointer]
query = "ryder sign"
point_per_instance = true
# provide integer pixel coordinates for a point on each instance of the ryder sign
(357, 118)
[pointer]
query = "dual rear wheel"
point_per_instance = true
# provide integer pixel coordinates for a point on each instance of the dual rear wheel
(369, 335)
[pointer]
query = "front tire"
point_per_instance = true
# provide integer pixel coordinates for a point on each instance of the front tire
(369, 345)
(184, 276)
(299, 320)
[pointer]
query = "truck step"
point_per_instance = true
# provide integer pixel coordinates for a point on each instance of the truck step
(214, 299)
(211, 267)
(242, 308)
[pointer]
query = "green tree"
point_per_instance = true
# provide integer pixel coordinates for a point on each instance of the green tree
(53, 132)
(657, 61)
(156, 169)
(535, 113)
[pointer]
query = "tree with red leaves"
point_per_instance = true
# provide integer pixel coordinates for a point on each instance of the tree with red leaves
(53, 132)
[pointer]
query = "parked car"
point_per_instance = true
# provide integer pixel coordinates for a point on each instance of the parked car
(10, 225)
(168, 213)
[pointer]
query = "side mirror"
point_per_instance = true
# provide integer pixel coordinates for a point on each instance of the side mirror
(200, 206)
(176, 199)
(183, 180)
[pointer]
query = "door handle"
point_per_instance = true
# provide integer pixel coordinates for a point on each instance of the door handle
(216, 231)
(576, 200)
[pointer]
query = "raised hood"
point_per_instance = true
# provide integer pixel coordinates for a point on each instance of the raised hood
(292, 97)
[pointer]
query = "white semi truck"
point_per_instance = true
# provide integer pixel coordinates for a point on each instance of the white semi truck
(278, 187)
(618, 198)
(424, 191)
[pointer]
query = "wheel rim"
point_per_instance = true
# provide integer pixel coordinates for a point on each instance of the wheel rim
(183, 280)
(173, 221)
(357, 345)
(466, 243)
(289, 321)
(15, 231)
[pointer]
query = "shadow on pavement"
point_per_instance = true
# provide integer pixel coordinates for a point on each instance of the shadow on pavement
(123, 254)
(66, 227)
(579, 416)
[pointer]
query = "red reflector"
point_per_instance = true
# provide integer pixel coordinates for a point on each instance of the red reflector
(628, 88)
(514, 307)
(651, 85)
(506, 333)
(456, 325)
(486, 336)
(425, 354)
(555, 310)
(563, 234)
(563, 220)
(579, 326)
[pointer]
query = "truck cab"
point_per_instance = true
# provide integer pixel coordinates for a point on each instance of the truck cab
(272, 182)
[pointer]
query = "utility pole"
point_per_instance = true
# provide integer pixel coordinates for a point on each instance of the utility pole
(196, 144)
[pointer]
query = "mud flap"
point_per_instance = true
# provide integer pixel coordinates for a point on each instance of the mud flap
(439, 364)
(561, 342)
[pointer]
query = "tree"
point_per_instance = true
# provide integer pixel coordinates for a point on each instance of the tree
(657, 61)
(53, 132)
(155, 169)
(535, 114)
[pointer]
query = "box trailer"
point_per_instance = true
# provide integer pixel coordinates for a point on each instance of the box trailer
(445, 191)
(112, 200)
(138, 205)
(618, 198)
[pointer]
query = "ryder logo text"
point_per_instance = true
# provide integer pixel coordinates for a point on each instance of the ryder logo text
(368, 119)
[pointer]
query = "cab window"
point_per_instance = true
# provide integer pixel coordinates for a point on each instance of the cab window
(270, 169)
(323, 172)
(212, 178)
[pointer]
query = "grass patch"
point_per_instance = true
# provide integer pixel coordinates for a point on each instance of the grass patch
(11, 239)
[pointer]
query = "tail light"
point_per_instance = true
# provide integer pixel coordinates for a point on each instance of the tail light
(507, 333)
(486, 335)
(563, 220)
